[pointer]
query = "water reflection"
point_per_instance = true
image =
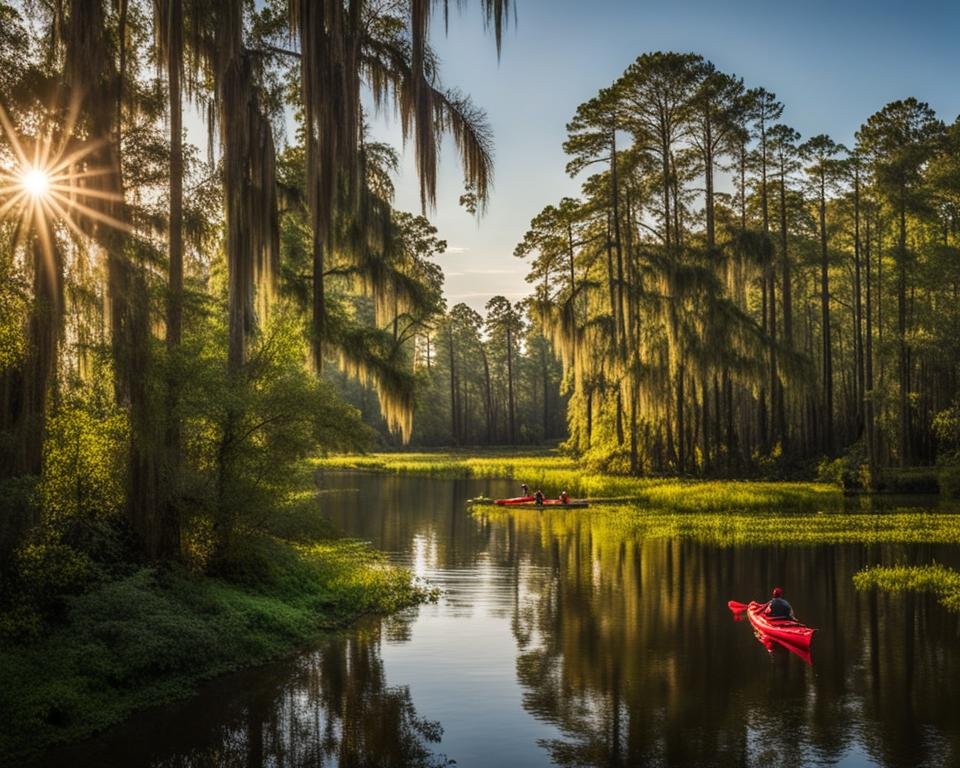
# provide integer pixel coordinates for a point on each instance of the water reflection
(560, 641)
(329, 707)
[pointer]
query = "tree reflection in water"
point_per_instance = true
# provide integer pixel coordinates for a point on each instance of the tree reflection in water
(622, 648)
(331, 707)
(605, 647)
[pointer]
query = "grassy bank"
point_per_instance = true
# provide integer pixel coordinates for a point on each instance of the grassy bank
(152, 635)
(554, 473)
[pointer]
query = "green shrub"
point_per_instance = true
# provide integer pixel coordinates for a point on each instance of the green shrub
(948, 478)
(18, 511)
(50, 571)
(84, 478)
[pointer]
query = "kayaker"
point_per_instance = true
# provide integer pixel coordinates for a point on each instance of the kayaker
(778, 608)
(564, 497)
(538, 497)
(525, 489)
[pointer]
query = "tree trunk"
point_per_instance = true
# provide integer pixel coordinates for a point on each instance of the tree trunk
(169, 544)
(858, 309)
(903, 359)
(453, 392)
(510, 402)
(827, 362)
(868, 369)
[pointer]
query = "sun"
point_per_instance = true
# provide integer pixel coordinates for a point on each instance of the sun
(49, 180)
(36, 182)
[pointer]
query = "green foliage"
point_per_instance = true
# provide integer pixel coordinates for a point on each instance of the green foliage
(946, 428)
(246, 435)
(84, 468)
(49, 571)
(744, 525)
(948, 480)
(936, 579)
(13, 307)
(153, 635)
(18, 512)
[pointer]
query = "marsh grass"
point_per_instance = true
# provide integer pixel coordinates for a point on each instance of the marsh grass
(934, 579)
(553, 473)
(740, 529)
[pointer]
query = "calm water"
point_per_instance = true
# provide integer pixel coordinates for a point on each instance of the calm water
(554, 646)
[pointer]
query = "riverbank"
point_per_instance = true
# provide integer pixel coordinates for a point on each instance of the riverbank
(152, 635)
(720, 513)
(554, 473)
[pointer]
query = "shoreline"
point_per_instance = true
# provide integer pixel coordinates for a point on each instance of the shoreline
(154, 636)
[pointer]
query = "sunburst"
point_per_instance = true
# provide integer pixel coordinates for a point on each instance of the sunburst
(55, 181)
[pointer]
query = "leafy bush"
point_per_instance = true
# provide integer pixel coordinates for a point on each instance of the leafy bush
(246, 435)
(946, 428)
(850, 471)
(948, 478)
(84, 476)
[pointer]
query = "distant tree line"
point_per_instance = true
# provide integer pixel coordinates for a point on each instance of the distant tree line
(481, 380)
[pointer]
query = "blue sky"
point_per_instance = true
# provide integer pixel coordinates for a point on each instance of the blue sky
(832, 64)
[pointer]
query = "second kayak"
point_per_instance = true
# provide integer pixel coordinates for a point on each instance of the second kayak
(515, 500)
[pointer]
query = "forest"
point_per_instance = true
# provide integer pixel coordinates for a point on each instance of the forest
(207, 288)
(174, 319)
(728, 297)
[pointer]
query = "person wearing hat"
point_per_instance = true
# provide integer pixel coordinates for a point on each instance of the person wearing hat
(778, 608)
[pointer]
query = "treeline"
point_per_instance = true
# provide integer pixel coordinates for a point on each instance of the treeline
(166, 313)
(490, 379)
(810, 312)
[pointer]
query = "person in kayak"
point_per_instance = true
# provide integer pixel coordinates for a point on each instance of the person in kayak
(564, 497)
(778, 608)
(525, 488)
(538, 498)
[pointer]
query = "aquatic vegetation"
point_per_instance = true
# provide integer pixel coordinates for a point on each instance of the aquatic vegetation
(617, 523)
(936, 579)
(554, 473)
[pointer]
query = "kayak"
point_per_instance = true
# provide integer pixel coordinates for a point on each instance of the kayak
(772, 643)
(784, 630)
(553, 503)
(515, 500)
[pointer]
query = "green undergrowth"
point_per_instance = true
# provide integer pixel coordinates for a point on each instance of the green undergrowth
(153, 635)
(623, 522)
(554, 473)
(935, 579)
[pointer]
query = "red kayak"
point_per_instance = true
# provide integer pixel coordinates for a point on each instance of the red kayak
(784, 630)
(771, 644)
(554, 503)
(515, 500)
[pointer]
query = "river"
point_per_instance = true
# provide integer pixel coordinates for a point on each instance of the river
(552, 645)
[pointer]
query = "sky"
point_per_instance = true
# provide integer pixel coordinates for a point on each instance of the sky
(832, 64)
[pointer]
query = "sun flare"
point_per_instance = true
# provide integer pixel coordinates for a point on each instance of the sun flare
(36, 182)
